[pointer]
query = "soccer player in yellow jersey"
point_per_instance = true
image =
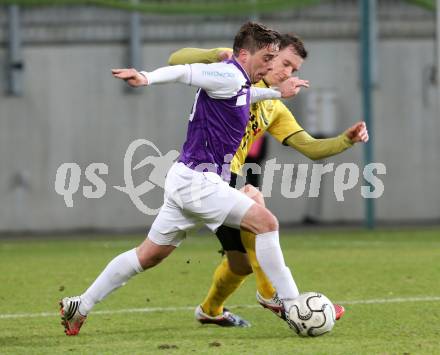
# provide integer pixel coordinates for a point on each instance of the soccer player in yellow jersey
(275, 118)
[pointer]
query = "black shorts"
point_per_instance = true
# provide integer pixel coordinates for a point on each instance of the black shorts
(230, 237)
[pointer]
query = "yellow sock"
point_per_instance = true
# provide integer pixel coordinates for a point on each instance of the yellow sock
(224, 283)
(264, 286)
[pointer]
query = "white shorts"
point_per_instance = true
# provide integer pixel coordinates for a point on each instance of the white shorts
(193, 199)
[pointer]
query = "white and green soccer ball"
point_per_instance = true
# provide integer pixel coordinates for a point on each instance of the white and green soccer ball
(311, 314)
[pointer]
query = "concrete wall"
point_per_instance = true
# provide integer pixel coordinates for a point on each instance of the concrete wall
(74, 111)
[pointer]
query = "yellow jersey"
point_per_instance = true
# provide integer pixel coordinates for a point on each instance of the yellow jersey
(268, 115)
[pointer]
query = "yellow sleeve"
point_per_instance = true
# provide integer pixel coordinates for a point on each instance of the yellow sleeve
(283, 123)
(195, 55)
(316, 149)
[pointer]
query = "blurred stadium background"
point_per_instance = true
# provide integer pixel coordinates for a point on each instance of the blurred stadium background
(60, 104)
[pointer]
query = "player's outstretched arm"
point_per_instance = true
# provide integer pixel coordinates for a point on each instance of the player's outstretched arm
(131, 76)
(220, 80)
(287, 89)
(316, 149)
(358, 133)
(199, 55)
(172, 74)
(292, 86)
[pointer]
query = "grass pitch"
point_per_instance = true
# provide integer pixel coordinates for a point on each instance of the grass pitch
(388, 282)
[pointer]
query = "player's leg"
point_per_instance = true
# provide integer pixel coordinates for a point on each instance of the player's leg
(238, 261)
(244, 212)
(266, 294)
(214, 202)
(122, 268)
(211, 310)
(229, 274)
(165, 235)
(264, 287)
(260, 221)
(208, 197)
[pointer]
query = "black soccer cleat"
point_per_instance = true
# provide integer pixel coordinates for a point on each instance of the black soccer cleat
(226, 319)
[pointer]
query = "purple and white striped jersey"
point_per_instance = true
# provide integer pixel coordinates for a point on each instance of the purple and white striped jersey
(220, 112)
(217, 125)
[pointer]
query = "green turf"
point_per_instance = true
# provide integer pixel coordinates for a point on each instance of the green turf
(346, 266)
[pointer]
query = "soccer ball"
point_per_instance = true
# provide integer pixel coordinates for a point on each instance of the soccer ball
(311, 314)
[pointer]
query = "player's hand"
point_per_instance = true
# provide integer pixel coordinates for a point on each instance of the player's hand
(224, 55)
(358, 133)
(131, 76)
(292, 86)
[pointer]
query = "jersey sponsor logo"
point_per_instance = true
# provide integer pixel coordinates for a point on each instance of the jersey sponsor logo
(217, 74)
(252, 129)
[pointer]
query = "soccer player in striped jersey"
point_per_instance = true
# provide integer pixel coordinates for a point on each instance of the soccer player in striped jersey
(275, 118)
(194, 190)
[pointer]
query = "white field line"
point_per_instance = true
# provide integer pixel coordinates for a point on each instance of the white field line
(190, 308)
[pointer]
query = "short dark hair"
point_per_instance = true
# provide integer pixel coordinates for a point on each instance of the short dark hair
(253, 36)
(290, 39)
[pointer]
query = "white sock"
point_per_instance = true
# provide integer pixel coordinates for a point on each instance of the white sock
(270, 257)
(115, 275)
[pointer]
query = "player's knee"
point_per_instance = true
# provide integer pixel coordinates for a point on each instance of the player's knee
(239, 263)
(253, 193)
(150, 254)
(241, 269)
(259, 220)
(149, 261)
(268, 222)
